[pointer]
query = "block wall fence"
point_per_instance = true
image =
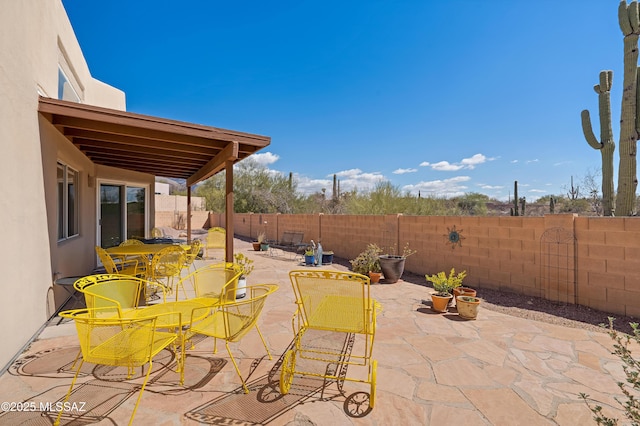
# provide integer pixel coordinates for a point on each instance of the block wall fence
(591, 261)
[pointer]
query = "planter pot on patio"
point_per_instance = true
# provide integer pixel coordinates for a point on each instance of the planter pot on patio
(309, 260)
(440, 303)
(468, 307)
(256, 246)
(464, 291)
(375, 277)
(264, 247)
(241, 291)
(327, 258)
(392, 267)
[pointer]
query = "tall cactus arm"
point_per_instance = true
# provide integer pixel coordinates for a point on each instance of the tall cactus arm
(588, 132)
(634, 18)
(623, 18)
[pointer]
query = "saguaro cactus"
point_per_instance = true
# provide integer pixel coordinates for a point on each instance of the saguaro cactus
(606, 145)
(629, 118)
(514, 209)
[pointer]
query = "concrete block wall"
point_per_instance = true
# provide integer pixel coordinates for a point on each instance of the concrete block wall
(598, 267)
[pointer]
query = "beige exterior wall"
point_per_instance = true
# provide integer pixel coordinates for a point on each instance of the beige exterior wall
(598, 267)
(35, 37)
(177, 203)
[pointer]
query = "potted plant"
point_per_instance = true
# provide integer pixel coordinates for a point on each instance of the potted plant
(392, 265)
(258, 242)
(309, 256)
(467, 307)
(444, 285)
(247, 267)
(368, 263)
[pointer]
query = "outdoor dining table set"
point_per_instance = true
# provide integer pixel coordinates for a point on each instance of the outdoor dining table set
(128, 320)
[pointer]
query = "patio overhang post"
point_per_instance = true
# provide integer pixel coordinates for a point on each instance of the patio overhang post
(188, 214)
(229, 210)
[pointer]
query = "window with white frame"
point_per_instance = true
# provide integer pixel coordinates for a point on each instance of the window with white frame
(67, 180)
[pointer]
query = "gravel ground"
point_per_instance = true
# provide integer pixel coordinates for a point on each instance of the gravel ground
(536, 308)
(539, 309)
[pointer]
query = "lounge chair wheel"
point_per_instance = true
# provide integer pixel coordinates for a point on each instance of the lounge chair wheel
(358, 404)
(374, 374)
(286, 373)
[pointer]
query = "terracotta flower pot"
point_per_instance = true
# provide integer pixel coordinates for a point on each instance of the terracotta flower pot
(375, 277)
(464, 291)
(256, 246)
(468, 307)
(440, 303)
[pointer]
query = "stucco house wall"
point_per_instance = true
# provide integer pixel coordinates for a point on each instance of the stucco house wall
(35, 38)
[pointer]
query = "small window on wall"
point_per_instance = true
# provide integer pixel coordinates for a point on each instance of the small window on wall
(67, 202)
(66, 92)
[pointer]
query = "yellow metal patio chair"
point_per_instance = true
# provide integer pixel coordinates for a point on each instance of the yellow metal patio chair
(166, 267)
(124, 292)
(193, 253)
(213, 282)
(216, 239)
(117, 265)
(232, 320)
(336, 304)
(117, 342)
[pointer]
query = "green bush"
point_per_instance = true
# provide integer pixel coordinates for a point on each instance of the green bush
(630, 389)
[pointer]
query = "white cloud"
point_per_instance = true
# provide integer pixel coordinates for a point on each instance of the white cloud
(514, 161)
(439, 188)
(265, 158)
(532, 161)
(403, 171)
(445, 166)
(540, 191)
(465, 163)
(472, 162)
(308, 185)
(485, 186)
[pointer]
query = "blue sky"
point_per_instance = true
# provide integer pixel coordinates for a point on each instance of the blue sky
(441, 97)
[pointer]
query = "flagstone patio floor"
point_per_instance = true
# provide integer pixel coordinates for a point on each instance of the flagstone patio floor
(433, 369)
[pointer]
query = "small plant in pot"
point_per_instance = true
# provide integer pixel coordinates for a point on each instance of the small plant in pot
(368, 263)
(392, 264)
(444, 285)
(247, 267)
(467, 307)
(259, 241)
(309, 256)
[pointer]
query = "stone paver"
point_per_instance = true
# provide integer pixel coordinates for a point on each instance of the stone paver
(432, 369)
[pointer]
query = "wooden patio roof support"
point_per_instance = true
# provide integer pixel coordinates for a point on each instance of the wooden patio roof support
(228, 216)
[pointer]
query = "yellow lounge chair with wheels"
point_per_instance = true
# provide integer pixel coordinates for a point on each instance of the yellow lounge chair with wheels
(331, 302)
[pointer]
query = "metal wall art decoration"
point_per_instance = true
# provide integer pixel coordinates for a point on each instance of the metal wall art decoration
(454, 236)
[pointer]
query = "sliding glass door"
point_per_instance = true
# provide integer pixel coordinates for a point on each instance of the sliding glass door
(123, 213)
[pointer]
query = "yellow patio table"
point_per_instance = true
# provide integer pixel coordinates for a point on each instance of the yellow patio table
(174, 314)
(139, 249)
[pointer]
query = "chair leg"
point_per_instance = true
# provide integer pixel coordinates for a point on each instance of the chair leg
(66, 398)
(146, 378)
(263, 342)
(244, 385)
